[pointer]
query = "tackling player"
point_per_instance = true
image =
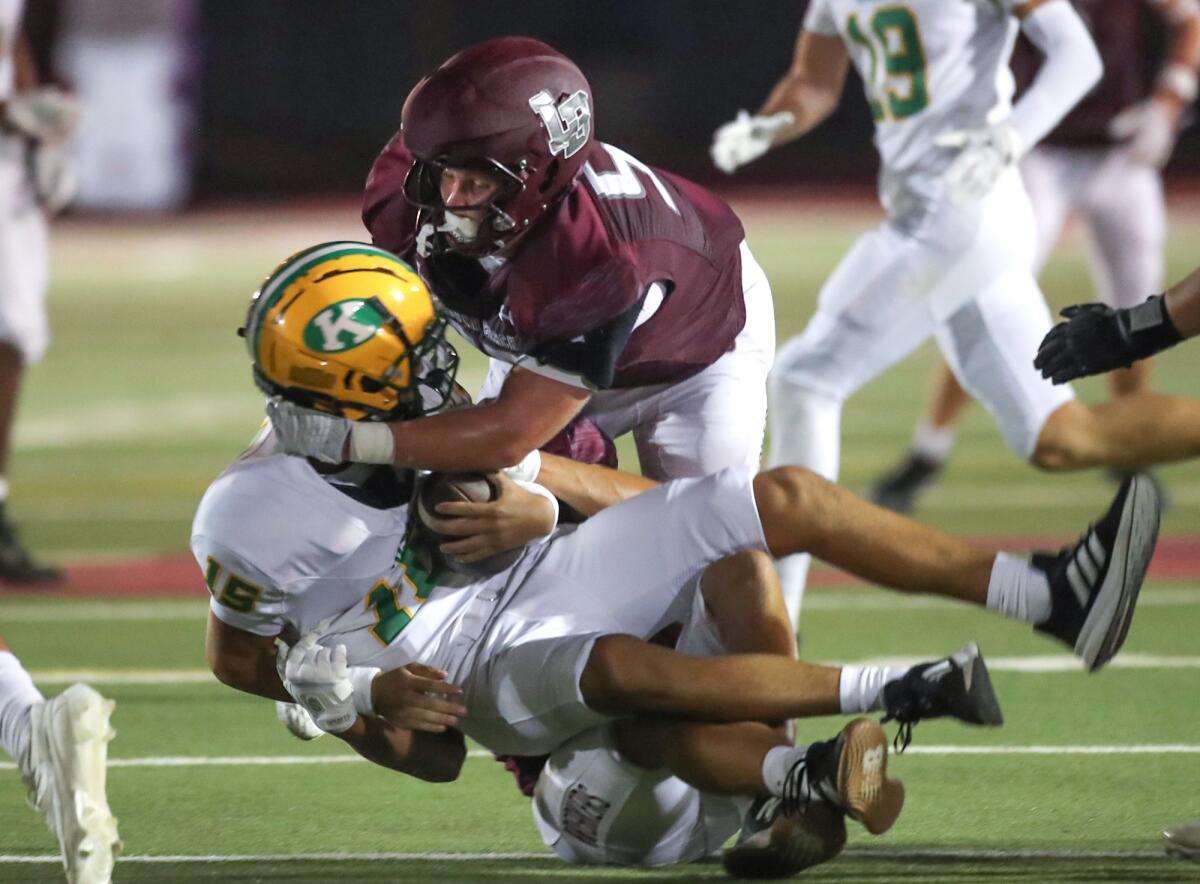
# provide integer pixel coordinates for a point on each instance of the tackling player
(596, 283)
(1102, 162)
(61, 748)
(557, 643)
(953, 258)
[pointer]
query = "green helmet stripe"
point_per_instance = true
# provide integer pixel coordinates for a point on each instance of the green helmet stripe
(299, 265)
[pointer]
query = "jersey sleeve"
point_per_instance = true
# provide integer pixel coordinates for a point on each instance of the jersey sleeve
(242, 595)
(819, 19)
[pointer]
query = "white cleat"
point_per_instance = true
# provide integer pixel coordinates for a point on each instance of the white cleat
(297, 719)
(68, 755)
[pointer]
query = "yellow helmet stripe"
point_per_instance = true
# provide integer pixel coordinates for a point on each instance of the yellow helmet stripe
(300, 264)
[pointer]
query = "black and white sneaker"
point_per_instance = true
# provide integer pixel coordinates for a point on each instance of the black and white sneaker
(1094, 584)
(957, 686)
(774, 845)
(899, 489)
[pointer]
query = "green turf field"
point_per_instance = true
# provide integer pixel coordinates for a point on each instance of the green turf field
(146, 395)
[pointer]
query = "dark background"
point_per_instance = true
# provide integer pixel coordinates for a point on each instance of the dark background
(297, 96)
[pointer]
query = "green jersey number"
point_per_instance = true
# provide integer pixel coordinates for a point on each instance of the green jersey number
(391, 616)
(895, 38)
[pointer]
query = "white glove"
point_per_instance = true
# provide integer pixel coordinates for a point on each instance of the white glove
(1147, 130)
(984, 155)
(53, 175)
(296, 719)
(318, 679)
(746, 139)
(308, 433)
(44, 114)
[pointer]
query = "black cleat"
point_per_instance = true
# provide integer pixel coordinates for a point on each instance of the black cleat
(1094, 584)
(957, 686)
(16, 564)
(898, 490)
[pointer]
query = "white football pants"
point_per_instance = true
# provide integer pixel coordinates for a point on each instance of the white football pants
(889, 294)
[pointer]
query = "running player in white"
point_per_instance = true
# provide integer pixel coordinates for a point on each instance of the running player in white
(557, 643)
(1102, 163)
(35, 181)
(60, 747)
(953, 258)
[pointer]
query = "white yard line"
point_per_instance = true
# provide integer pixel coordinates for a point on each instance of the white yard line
(321, 760)
(837, 599)
(1045, 664)
(966, 853)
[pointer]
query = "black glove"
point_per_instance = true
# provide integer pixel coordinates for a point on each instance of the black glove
(1096, 338)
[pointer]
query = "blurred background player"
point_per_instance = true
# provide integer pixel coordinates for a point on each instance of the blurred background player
(951, 260)
(596, 284)
(61, 748)
(1101, 162)
(35, 180)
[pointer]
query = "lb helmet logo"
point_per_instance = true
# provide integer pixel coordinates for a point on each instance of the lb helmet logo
(342, 326)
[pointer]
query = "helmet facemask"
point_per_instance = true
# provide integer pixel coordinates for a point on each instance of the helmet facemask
(451, 229)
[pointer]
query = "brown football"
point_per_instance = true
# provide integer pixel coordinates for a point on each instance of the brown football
(448, 487)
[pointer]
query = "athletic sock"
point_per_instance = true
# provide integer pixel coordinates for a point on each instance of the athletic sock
(932, 443)
(17, 697)
(1019, 590)
(861, 687)
(777, 763)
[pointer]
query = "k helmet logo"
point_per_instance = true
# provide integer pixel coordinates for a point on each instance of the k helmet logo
(342, 326)
(568, 123)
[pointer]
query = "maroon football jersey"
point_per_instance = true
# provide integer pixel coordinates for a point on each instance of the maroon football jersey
(573, 292)
(1116, 26)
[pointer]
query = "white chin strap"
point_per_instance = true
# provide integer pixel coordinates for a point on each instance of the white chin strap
(460, 228)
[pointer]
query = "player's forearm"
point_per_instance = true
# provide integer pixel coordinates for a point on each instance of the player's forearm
(243, 661)
(482, 438)
(589, 488)
(812, 88)
(436, 758)
(25, 74)
(1072, 67)
(1183, 305)
(1177, 80)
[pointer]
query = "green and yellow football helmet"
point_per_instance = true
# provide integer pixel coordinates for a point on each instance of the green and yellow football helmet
(350, 329)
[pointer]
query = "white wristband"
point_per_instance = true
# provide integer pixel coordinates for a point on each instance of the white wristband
(535, 488)
(527, 469)
(371, 443)
(361, 678)
(1181, 80)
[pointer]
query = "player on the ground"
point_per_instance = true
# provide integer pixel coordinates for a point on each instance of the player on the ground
(1101, 162)
(35, 180)
(953, 259)
(596, 283)
(60, 747)
(289, 547)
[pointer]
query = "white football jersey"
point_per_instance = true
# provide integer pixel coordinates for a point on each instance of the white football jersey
(928, 67)
(283, 550)
(10, 19)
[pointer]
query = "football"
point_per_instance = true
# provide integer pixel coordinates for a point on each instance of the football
(474, 487)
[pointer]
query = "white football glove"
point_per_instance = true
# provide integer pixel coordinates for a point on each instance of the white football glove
(296, 719)
(308, 433)
(1148, 131)
(53, 170)
(44, 114)
(318, 679)
(746, 138)
(984, 155)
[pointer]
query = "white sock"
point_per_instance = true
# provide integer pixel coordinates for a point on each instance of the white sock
(1018, 590)
(861, 687)
(17, 696)
(776, 764)
(933, 443)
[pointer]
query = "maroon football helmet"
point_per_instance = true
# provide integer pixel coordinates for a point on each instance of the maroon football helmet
(511, 106)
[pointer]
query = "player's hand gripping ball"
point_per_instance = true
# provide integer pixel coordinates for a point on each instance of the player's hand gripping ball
(439, 488)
